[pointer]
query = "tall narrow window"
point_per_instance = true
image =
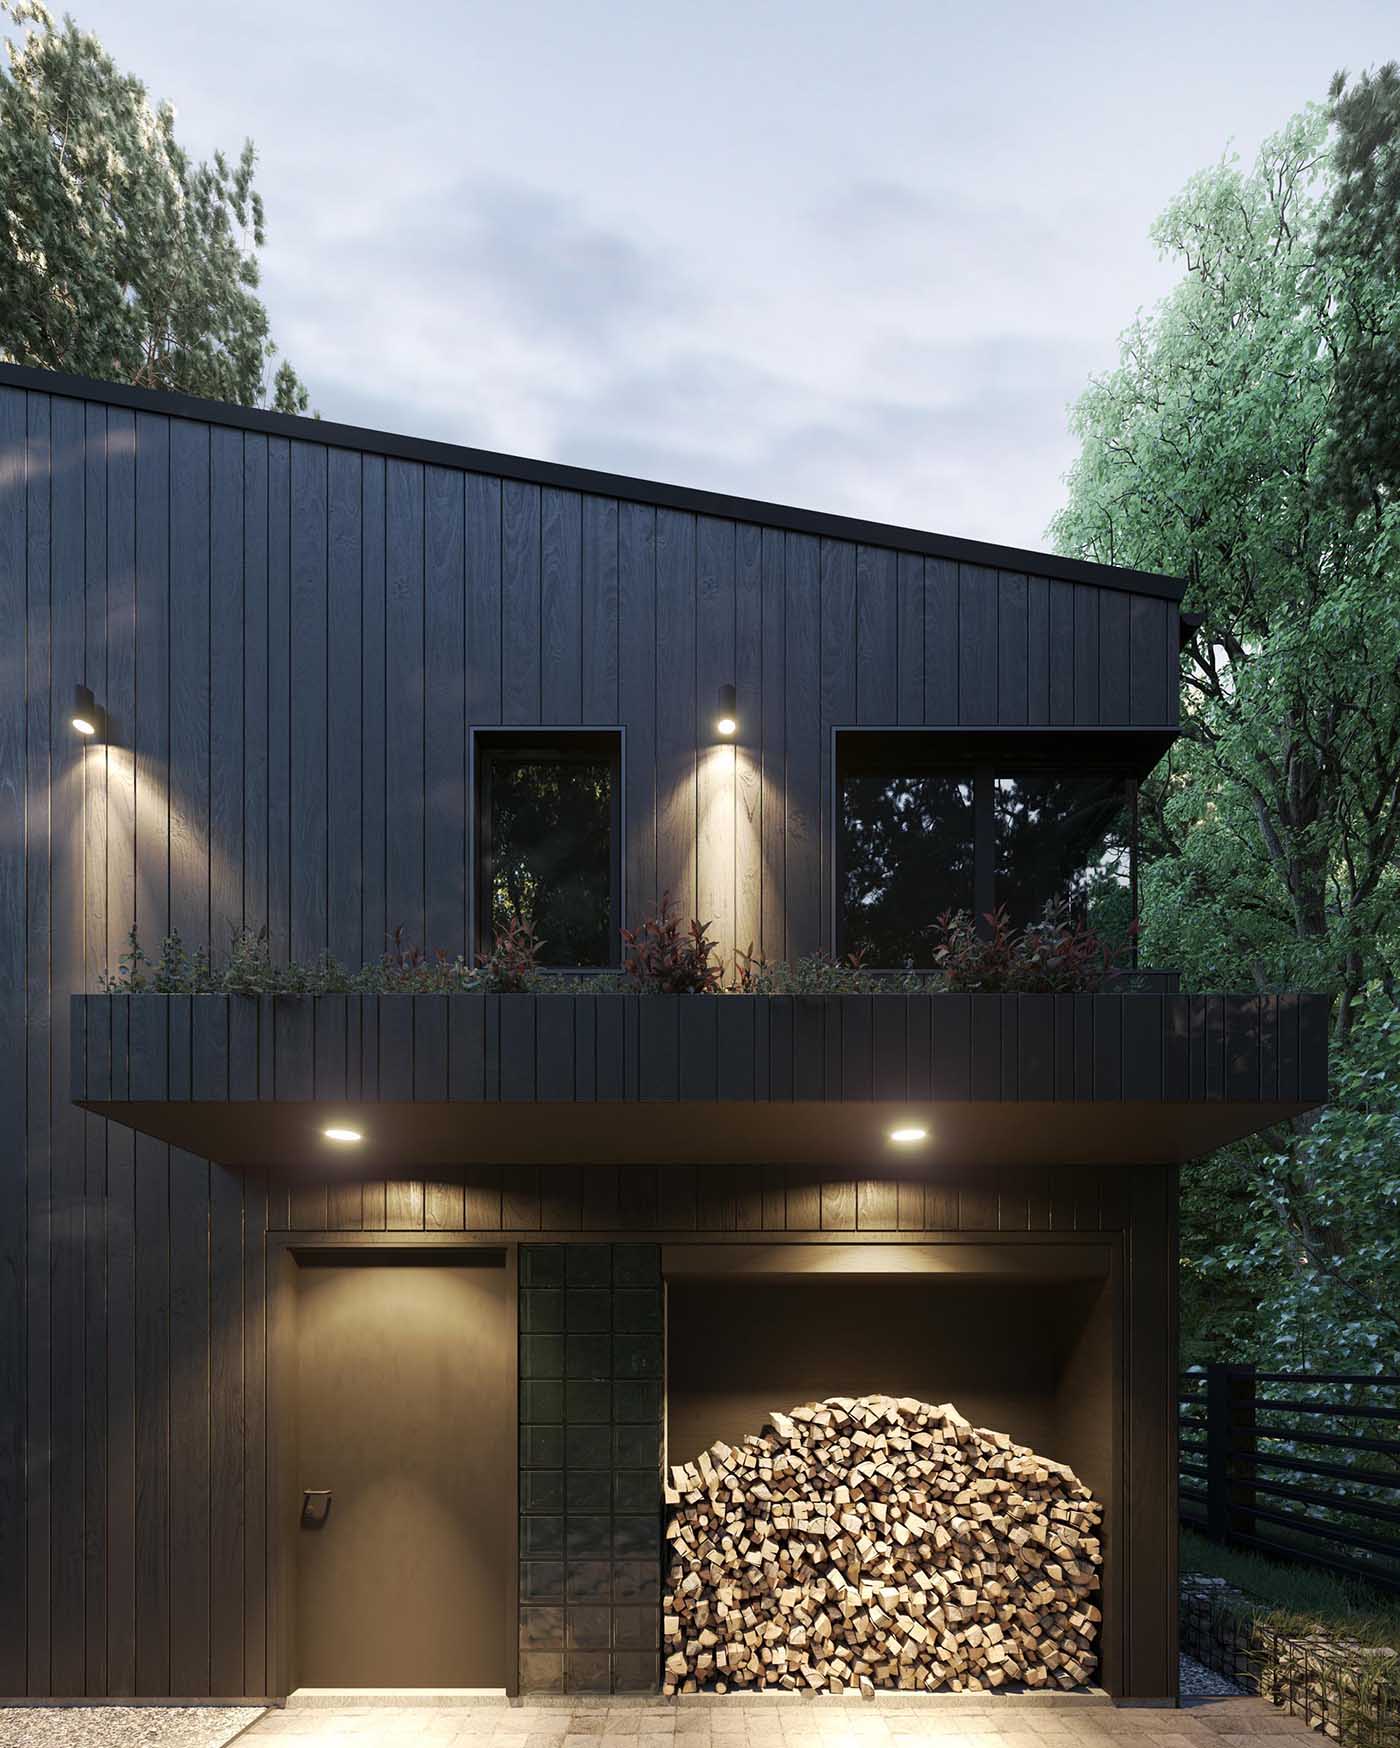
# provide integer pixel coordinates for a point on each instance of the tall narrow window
(548, 842)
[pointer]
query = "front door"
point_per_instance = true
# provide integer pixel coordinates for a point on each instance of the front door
(405, 1463)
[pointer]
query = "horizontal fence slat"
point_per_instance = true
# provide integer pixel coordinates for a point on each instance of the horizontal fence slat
(1306, 1435)
(1339, 1410)
(1382, 1381)
(1317, 1466)
(1239, 1489)
(1345, 1568)
(1307, 1526)
(1340, 1503)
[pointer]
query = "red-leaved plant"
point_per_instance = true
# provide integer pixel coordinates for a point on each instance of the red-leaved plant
(405, 969)
(510, 967)
(665, 958)
(1059, 955)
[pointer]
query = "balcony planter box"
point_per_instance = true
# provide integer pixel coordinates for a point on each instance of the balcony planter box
(140, 1058)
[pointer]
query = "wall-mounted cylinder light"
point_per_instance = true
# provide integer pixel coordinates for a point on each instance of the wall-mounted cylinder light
(87, 718)
(728, 720)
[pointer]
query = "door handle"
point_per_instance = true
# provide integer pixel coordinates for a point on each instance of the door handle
(315, 1507)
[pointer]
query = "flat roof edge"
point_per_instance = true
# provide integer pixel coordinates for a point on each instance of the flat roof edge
(582, 479)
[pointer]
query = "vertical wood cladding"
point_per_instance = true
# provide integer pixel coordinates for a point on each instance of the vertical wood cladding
(292, 640)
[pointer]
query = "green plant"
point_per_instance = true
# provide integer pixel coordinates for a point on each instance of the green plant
(1298, 1594)
(1248, 440)
(120, 257)
(1319, 1646)
(665, 958)
(250, 969)
(510, 967)
(175, 972)
(818, 974)
(668, 959)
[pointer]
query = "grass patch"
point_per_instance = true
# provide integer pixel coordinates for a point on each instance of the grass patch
(1298, 1599)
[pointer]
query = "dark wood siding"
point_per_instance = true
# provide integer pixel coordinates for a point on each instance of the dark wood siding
(292, 639)
(1100, 1050)
(684, 1198)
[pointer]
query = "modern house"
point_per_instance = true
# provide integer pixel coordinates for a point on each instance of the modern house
(279, 1409)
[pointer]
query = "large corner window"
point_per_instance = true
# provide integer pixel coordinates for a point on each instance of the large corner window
(927, 824)
(549, 842)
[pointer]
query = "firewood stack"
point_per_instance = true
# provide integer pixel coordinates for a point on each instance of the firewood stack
(875, 1542)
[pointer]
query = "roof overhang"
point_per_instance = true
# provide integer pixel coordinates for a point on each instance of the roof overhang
(1132, 1077)
(410, 1136)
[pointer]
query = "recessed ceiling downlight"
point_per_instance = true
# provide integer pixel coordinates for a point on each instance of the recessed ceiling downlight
(909, 1135)
(337, 1133)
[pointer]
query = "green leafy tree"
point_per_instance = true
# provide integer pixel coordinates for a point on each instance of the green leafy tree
(119, 258)
(1362, 222)
(1271, 837)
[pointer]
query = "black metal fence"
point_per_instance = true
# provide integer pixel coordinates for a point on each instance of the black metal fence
(1301, 1466)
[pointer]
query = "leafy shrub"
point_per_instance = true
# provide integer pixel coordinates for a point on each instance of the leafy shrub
(1056, 956)
(667, 959)
(511, 965)
(251, 970)
(820, 974)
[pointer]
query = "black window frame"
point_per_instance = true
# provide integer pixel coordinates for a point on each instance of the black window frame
(567, 745)
(982, 759)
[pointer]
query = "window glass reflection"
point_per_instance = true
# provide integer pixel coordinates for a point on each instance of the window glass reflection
(549, 837)
(906, 856)
(1064, 841)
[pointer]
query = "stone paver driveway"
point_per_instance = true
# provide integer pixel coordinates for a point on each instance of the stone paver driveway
(726, 1723)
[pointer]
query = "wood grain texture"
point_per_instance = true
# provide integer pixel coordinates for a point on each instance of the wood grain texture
(292, 640)
(1133, 1049)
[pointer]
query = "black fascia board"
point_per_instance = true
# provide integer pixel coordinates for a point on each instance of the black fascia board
(583, 479)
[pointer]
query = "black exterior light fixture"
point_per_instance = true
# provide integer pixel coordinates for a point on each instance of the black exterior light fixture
(728, 720)
(87, 718)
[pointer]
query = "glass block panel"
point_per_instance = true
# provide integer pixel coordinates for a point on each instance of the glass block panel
(542, 1671)
(588, 1309)
(542, 1265)
(588, 1489)
(542, 1447)
(541, 1629)
(589, 1581)
(589, 1628)
(588, 1265)
(542, 1490)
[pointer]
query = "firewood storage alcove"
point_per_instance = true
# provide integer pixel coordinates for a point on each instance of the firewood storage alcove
(1022, 1338)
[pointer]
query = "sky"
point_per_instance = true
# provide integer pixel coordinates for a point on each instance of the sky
(856, 257)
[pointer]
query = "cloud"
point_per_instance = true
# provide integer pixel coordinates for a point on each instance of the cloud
(506, 317)
(538, 260)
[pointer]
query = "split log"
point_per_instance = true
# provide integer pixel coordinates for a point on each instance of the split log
(878, 1542)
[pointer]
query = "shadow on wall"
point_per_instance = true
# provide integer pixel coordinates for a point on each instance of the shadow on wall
(1027, 1358)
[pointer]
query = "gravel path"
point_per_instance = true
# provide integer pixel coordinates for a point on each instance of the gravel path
(123, 1726)
(1196, 1679)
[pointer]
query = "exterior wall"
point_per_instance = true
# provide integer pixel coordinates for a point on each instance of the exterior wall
(292, 640)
